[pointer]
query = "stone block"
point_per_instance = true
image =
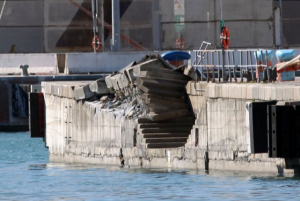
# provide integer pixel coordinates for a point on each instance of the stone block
(99, 87)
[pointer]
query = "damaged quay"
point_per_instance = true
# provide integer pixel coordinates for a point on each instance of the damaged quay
(152, 115)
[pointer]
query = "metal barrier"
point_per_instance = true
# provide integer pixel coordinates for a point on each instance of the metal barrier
(224, 62)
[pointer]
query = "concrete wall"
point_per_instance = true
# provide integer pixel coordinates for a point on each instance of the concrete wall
(78, 128)
(101, 62)
(222, 128)
(77, 132)
(38, 63)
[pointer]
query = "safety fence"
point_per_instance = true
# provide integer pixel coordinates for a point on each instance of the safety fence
(228, 65)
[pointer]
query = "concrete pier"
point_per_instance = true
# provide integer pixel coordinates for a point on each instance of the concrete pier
(82, 132)
(12, 102)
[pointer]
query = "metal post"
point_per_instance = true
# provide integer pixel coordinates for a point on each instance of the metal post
(223, 65)
(201, 62)
(116, 46)
(256, 61)
(156, 25)
(207, 68)
(241, 67)
(252, 71)
(229, 69)
(95, 20)
(267, 63)
(234, 68)
(247, 64)
(262, 63)
(219, 62)
(213, 67)
(102, 26)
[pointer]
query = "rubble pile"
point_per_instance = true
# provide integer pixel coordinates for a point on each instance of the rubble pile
(152, 93)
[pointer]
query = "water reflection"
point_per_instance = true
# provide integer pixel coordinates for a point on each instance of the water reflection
(60, 181)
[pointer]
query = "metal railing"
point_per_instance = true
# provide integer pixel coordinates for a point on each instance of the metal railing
(220, 63)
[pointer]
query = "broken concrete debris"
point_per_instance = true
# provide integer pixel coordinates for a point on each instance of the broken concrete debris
(150, 91)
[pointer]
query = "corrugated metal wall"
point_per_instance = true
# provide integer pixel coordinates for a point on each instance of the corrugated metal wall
(291, 23)
(66, 25)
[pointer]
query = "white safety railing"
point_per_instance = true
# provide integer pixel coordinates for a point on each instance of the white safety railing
(217, 63)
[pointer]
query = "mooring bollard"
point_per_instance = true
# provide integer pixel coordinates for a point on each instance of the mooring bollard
(24, 72)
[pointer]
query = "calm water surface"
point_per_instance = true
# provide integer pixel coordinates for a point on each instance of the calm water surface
(26, 174)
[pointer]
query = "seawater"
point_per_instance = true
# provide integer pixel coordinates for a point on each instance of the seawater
(26, 174)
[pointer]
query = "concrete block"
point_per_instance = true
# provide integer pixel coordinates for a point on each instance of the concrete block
(261, 93)
(193, 86)
(99, 87)
(166, 76)
(190, 72)
(201, 88)
(150, 65)
(253, 92)
(114, 81)
(288, 93)
(83, 92)
(297, 93)
(124, 80)
(165, 84)
(279, 93)
(108, 81)
(218, 92)
(268, 91)
(188, 88)
(273, 93)
(130, 75)
(211, 91)
(225, 90)
(244, 91)
(120, 82)
(237, 91)
(122, 71)
(168, 115)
